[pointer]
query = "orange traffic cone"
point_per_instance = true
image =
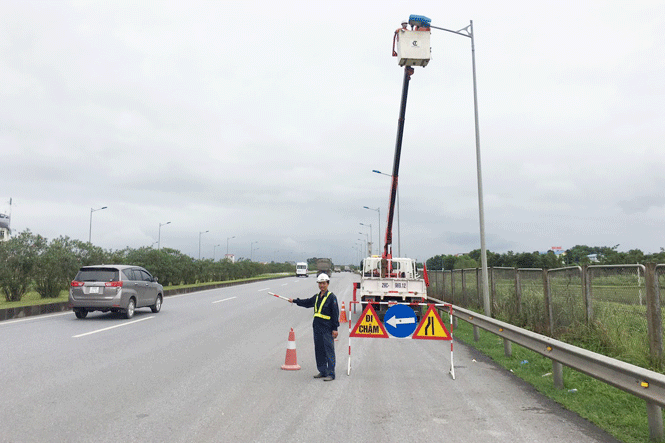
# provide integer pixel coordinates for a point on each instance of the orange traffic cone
(291, 362)
(342, 315)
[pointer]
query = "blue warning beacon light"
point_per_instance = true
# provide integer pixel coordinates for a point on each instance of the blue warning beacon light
(419, 20)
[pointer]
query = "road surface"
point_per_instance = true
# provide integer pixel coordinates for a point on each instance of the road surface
(207, 368)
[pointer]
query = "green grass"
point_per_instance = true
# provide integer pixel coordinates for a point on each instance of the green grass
(619, 413)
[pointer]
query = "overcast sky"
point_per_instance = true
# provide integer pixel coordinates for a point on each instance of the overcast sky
(264, 120)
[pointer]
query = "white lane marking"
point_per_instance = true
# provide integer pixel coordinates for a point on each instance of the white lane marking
(284, 284)
(264, 289)
(34, 317)
(112, 327)
(219, 301)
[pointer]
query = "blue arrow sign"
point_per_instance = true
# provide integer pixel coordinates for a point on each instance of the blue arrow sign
(400, 321)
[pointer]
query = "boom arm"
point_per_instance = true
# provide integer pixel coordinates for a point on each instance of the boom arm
(387, 249)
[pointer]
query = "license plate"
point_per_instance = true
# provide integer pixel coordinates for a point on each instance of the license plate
(94, 290)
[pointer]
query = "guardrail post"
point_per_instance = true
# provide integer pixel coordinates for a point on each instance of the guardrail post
(654, 315)
(507, 347)
(655, 420)
(548, 302)
(557, 374)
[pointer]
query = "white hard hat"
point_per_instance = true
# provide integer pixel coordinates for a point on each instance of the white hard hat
(322, 277)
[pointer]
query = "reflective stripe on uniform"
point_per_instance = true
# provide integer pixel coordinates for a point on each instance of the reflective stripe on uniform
(317, 311)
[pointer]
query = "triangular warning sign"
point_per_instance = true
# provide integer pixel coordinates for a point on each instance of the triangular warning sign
(431, 327)
(368, 325)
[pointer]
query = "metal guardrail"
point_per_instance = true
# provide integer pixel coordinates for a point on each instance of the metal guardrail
(640, 382)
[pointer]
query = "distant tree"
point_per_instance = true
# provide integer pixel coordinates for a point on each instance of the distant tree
(55, 266)
(18, 256)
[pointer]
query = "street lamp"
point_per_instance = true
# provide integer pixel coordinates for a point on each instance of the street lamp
(468, 32)
(90, 231)
(371, 236)
(214, 252)
(251, 250)
(399, 235)
(379, 211)
(369, 246)
(201, 233)
(363, 250)
(159, 235)
(227, 244)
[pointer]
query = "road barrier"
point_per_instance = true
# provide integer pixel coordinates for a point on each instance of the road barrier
(640, 382)
(402, 323)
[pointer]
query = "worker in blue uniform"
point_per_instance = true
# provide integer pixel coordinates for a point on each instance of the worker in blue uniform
(326, 322)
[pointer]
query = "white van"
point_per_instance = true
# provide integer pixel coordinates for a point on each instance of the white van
(301, 269)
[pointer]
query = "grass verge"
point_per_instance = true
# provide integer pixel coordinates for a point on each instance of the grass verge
(619, 413)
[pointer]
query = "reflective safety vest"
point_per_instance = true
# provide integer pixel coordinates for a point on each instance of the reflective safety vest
(317, 310)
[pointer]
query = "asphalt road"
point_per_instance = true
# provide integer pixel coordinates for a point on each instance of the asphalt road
(207, 368)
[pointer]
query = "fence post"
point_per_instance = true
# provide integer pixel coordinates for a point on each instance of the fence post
(452, 288)
(654, 316)
(492, 288)
(548, 302)
(518, 294)
(464, 296)
(586, 292)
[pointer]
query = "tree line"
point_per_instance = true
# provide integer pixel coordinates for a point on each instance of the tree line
(31, 262)
(577, 255)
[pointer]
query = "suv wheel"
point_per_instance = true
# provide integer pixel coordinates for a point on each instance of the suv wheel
(80, 313)
(131, 306)
(158, 305)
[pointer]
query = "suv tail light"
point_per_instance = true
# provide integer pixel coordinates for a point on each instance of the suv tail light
(76, 284)
(113, 284)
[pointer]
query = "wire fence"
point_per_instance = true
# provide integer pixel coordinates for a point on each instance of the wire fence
(610, 309)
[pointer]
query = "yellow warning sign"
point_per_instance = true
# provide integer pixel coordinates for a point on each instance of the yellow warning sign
(368, 325)
(431, 327)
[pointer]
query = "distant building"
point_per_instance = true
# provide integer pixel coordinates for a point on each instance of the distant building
(230, 257)
(593, 258)
(5, 230)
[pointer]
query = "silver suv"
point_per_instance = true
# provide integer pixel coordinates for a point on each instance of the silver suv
(116, 288)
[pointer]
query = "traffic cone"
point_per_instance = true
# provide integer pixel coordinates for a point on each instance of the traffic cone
(291, 362)
(342, 315)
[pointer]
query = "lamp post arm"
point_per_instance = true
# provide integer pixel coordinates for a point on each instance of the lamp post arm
(468, 30)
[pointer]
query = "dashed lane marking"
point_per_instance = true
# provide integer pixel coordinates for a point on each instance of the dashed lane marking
(113, 327)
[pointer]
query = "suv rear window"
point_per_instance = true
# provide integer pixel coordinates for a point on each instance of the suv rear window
(97, 274)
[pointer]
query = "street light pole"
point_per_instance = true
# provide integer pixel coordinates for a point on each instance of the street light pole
(159, 235)
(201, 233)
(251, 250)
(227, 244)
(364, 250)
(368, 247)
(214, 252)
(90, 231)
(371, 237)
(468, 32)
(379, 212)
